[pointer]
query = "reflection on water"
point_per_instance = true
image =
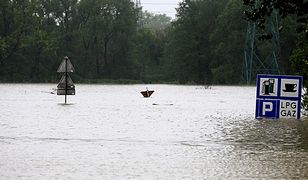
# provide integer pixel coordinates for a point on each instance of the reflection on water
(111, 132)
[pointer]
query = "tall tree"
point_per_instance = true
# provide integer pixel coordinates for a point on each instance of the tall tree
(104, 23)
(190, 40)
(149, 46)
(227, 44)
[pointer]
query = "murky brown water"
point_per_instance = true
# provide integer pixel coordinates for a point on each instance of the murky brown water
(111, 132)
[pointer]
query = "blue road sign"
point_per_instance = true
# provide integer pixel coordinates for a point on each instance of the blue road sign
(267, 108)
(278, 96)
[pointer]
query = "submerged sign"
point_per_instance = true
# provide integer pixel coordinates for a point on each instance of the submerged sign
(66, 85)
(278, 96)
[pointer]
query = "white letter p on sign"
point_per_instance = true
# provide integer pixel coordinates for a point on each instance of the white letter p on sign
(267, 107)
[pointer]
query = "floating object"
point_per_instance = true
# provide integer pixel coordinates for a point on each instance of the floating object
(155, 104)
(147, 93)
(66, 85)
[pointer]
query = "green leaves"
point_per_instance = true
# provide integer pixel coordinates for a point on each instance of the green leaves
(259, 11)
(207, 42)
(102, 38)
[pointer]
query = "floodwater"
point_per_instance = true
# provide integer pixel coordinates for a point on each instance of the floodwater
(112, 132)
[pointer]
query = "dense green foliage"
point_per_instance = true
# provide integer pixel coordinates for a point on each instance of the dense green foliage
(104, 41)
(259, 11)
(207, 42)
(299, 61)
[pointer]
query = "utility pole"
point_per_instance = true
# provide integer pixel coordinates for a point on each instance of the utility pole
(255, 62)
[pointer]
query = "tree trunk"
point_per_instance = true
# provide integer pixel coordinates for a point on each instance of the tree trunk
(106, 43)
(106, 51)
(36, 65)
(97, 64)
(96, 51)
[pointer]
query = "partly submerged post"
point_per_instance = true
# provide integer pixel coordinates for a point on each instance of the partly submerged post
(66, 58)
(147, 93)
(66, 85)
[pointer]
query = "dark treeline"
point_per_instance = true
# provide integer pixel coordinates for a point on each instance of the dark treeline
(104, 40)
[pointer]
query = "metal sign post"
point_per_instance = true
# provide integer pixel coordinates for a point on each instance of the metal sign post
(278, 96)
(65, 59)
(66, 85)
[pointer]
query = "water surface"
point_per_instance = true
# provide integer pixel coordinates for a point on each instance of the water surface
(112, 132)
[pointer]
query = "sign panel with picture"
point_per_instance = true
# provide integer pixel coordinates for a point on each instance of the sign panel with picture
(278, 96)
